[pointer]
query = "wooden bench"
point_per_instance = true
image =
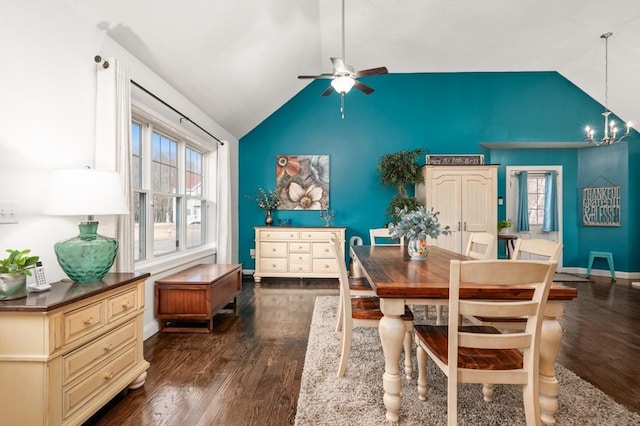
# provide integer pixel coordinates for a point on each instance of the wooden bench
(187, 301)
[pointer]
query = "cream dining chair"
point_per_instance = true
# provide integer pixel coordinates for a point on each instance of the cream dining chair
(480, 246)
(384, 233)
(477, 354)
(525, 249)
(360, 286)
(363, 312)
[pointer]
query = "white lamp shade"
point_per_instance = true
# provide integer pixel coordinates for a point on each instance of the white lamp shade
(343, 84)
(85, 192)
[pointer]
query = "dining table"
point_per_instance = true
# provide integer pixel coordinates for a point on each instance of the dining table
(398, 281)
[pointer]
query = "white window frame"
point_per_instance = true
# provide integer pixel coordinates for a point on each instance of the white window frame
(150, 121)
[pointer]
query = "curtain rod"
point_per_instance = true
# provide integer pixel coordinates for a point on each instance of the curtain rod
(534, 172)
(98, 59)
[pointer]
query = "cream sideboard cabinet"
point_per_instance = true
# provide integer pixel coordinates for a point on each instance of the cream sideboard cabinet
(467, 199)
(66, 352)
(303, 252)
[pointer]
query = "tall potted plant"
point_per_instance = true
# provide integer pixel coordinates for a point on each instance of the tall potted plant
(415, 226)
(14, 270)
(401, 170)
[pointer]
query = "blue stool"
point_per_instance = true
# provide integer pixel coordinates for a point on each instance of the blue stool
(605, 255)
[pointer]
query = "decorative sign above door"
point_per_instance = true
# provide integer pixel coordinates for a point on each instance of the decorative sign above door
(455, 160)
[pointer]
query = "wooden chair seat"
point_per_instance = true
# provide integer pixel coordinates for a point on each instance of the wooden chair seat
(436, 338)
(368, 308)
(359, 284)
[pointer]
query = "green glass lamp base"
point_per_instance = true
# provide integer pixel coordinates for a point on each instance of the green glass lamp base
(87, 257)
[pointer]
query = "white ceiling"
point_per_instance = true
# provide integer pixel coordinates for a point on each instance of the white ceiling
(238, 60)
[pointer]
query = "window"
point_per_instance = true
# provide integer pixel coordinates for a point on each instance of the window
(535, 187)
(169, 185)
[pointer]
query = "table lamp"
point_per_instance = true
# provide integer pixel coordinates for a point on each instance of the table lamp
(86, 192)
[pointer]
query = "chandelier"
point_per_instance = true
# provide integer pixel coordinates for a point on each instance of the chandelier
(610, 129)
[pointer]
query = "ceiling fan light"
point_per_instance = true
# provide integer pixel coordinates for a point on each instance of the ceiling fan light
(343, 84)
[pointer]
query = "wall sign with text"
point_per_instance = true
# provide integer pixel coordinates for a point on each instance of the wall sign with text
(601, 206)
(455, 160)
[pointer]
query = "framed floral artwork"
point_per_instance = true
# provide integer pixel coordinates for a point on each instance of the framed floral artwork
(302, 182)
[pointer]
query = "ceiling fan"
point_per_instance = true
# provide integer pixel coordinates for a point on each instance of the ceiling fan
(343, 77)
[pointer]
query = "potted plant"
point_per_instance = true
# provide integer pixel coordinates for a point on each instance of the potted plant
(400, 170)
(504, 225)
(267, 200)
(14, 270)
(415, 226)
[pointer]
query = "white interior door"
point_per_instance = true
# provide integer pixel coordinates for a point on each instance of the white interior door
(512, 202)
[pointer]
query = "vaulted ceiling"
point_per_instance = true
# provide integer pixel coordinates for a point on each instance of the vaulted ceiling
(238, 60)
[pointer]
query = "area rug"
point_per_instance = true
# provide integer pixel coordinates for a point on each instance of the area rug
(356, 398)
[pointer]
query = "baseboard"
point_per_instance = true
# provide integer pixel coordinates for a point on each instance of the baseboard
(601, 273)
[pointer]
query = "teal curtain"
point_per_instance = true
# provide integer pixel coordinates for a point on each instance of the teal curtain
(550, 220)
(522, 220)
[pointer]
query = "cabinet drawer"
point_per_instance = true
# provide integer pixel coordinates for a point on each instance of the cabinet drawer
(273, 265)
(83, 321)
(88, 356)
(325, 266)
(317, 235)
(279, 235)
(300, 257)
(299, 247)
(122, 305)
(300, 267)
(322, 250)
(273, 249)
(76, 396)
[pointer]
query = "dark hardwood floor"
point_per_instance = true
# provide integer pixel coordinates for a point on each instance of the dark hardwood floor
(247, 371)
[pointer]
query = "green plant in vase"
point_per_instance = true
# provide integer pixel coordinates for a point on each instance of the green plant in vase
(415, 226)
(267, 200)
(14, 270)
(504, 225)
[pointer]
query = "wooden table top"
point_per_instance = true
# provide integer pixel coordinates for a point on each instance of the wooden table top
(393, 274)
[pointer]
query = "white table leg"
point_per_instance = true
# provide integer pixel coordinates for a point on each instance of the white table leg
(550, 340)
(392, 331)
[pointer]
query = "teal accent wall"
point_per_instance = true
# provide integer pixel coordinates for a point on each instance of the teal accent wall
(444, 113)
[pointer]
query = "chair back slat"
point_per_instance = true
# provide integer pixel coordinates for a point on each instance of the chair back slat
(537, 249)
(497, 309)
(494, 341)
(345, 292)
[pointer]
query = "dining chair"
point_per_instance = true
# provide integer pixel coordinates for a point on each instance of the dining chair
(358, 286)
(384, 233)
(525, 249)
(537, 249)
(482, 354)
(363, 312)
(480, 246)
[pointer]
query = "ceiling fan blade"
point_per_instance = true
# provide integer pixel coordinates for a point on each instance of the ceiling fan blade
(329, 91)
(363, 88)
(325, 76)
(372, 71)
(338, 65)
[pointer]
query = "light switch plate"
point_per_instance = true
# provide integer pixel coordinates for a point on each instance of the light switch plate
(9, 212)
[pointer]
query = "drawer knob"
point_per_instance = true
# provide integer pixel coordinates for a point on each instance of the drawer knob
(273, 250)
(88, 321)
(326, 266)
(326, 250)
(108, 347)
(108, 375)
(273, 265)
(127, 304)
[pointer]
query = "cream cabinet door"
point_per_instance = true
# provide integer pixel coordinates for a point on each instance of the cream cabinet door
(446, 198)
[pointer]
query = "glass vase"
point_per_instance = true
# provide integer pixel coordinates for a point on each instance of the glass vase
(87, 257)
(417, 248)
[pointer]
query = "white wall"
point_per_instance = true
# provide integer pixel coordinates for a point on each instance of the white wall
(47, 116)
